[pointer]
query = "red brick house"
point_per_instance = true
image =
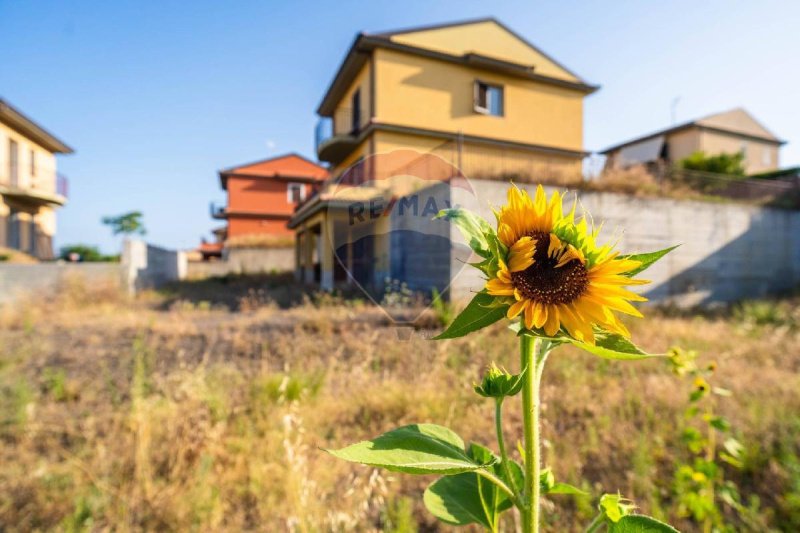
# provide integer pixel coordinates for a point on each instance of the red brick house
(262, 195)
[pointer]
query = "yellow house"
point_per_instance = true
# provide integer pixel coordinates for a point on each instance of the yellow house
(474, 93)
(729, 132)
(30, 187)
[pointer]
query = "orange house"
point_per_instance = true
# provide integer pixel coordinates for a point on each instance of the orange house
(262, 195)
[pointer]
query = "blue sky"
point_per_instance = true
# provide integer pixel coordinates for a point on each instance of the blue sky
(156, 96)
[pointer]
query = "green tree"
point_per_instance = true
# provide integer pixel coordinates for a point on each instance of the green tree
(126, 224)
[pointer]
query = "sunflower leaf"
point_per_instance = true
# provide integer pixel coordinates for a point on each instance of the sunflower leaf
(474, 228)
(636, 523)
(613, 346)
(646, 260)
(478, 314)
(414, 449)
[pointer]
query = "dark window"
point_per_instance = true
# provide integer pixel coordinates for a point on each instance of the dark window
(489, 99)
(13, 240)
(296, 193)
(356, 106)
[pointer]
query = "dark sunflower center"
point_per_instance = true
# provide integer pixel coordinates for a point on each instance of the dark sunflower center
(544, 283)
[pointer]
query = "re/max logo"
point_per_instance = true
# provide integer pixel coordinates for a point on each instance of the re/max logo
(405, 205)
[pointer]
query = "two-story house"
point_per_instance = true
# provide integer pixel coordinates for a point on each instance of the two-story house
(261, 196)
(474, 93)
(730, 132)
(30, 188)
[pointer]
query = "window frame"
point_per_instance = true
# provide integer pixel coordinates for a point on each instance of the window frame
(486, 110)
(290, 186)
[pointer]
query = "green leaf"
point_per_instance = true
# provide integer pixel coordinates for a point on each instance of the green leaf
(566, 488)
(613, 346)
(414, 449)
(456, 500)
(478, 314)
(469, 498)
(637, 523)
(472, 227)
(646, 259)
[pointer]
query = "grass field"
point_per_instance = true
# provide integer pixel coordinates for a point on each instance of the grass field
(205, 407)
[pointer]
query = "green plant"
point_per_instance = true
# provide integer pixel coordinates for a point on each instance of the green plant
(85, 253)
(700, 485)
(546, 268)
(730, 164)
(443, 310)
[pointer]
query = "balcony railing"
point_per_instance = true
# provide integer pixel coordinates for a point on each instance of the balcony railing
(335, 135)
(217, 211)
(62, 185)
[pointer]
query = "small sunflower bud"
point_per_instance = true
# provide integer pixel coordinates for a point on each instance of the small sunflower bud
(498, 383)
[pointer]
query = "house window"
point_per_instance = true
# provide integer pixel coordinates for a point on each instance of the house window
(489, 99)
(355, 104)
(766, 157)
(295, 193)
(33, 164)
(13, 162)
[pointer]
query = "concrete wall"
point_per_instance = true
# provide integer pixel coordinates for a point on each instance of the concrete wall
(728, 252)
(245, 261)
(146, 266)
(18, 280)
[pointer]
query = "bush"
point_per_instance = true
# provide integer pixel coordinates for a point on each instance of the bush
(86, 253)
(731, 164)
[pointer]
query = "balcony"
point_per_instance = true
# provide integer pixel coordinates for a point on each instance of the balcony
(218, 211)
(337, 136)
(36, 192)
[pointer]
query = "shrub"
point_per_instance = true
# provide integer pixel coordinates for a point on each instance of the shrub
(731, 164)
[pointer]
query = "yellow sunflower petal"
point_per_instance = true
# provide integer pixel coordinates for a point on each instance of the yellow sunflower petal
(552, 324)
(516, 308)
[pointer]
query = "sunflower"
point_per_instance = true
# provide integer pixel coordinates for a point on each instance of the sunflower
(555, 274)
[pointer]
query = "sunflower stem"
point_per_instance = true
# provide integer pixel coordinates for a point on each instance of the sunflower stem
(532, 356)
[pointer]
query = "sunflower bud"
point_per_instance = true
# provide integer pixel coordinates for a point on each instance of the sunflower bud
(498, 383)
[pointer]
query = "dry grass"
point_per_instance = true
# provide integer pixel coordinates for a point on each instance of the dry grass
(176, 413)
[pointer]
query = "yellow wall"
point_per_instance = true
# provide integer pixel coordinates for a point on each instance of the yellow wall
(343, 113)
(759, 156)
(478, 160)
(426, 93)
(486, 38)
(45, 178)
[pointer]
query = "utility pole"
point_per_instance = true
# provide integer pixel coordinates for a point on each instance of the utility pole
(673, 109)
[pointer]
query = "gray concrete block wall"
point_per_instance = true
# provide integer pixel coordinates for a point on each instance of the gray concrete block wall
(728, 251)
(245, 261)
(17, 280)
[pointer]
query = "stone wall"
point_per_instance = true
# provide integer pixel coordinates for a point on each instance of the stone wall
(728, 251)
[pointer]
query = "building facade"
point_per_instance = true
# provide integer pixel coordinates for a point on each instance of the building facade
(475, 94)
(729, 132)
(262, 196)
(30, 187)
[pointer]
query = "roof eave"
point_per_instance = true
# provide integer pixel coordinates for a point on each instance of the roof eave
(18, 121)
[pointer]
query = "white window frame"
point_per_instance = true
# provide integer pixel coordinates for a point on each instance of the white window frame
(486, 110)
(289, 188)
